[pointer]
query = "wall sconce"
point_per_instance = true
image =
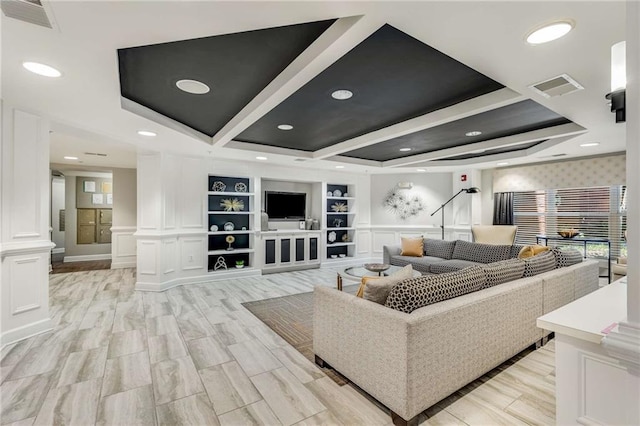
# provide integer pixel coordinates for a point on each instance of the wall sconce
(618, 81)
(405, 185)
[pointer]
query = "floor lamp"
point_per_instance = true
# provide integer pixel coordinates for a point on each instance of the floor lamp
(472, 190)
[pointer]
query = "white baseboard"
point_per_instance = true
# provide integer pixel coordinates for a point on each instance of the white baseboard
(84, 258)
(26, 331)
(123, 264)
(57, 250)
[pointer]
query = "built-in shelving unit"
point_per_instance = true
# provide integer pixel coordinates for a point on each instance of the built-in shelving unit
(339, 220)
(230, 212)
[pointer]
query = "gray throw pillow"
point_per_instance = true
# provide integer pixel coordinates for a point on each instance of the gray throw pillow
(377, 289)
(539, 263)
(503, 271)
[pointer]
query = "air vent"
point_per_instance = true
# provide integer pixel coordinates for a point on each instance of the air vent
(557, 86)
(96, 154)
(26, 10)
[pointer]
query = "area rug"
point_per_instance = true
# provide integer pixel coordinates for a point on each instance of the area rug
(291, 317)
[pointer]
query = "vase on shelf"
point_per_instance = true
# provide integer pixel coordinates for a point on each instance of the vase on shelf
(308, 223)
(264, 221)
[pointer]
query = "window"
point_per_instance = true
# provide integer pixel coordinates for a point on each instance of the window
(598, 212)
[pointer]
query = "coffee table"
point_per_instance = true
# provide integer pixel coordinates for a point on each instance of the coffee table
(355, 273)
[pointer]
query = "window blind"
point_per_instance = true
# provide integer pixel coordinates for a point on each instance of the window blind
(597, 212)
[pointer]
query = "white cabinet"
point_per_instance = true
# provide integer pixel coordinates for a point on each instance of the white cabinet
(290, 250)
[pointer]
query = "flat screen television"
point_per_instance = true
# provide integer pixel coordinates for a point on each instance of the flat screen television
(285, 205)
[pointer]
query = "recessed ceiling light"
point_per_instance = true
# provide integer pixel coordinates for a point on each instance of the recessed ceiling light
(585, 145)
(339, 167)
(41, 69)
(146, 133)
(68, 157)
(342, 94)
(285, 127)
(421, 170)
(549, 32)
(193, 86)
(405, 149)
(503, 163)
(261, 158)
(473, 133)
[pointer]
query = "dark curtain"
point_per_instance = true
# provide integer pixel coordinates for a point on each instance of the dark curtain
(503, 208)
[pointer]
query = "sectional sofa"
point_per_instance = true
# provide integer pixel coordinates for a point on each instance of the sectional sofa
(410, 361)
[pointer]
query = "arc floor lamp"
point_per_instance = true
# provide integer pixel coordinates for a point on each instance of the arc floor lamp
(472, 190)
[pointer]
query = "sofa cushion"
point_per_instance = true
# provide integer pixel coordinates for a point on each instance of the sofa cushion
(421, 264)
(503, 271)
(515, 250)
(481, 253)
(566, 257)
(532, 250)
(377, 289)
(451, 266)
(439, 248)
(415, 293)
(539, 263)
(412, 247)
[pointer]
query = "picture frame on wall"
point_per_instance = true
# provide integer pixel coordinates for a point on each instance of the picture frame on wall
(97, 199)
(109, 198)
(89, 186)
(107, 187)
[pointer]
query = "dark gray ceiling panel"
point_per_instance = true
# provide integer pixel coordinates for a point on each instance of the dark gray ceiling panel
(235, 66)
(393, 77)
(502, 150)
(524, 116)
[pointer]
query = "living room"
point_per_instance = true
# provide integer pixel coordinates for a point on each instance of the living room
(199, 185)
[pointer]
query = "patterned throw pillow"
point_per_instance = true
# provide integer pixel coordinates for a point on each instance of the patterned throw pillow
(566, 257)
(439, 248)
(538, 264)
(415, 293)
(503, 271)
(515, 250)
(481, 253)
(378, 289)
(412, 247)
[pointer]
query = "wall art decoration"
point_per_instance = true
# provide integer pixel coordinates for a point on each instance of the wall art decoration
(97, 199)
(403, 205)
(240, 187)
(89, 186)
(230, 205)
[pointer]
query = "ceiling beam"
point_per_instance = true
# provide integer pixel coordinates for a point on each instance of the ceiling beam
(480, 104)
(569, 129)
(268, 149)
(340, 38)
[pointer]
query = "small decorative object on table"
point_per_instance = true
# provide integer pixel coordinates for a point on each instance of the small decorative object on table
(239, 264)
(232, 205)
(376, 267)
(230, 239)
(337, 193)
(568, 233)
(229, 226)
(240, 187)
(220, 264)
(340, 207)
(218, 186)
(331, 237)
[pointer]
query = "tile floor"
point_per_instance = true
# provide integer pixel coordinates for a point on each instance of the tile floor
(194, 355)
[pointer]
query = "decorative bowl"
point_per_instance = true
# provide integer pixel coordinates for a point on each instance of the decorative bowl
(342, 255)
(376, 267)
(334, 256)
(568, 233)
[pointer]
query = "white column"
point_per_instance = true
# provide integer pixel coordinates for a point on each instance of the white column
(123, 241)
(25, 243)
(171, 230)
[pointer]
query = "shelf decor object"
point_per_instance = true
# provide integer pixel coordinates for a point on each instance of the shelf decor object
(240, 187)
(340, 207)
(230, 240)
(213, 228)
(568, 233)
(234, 204)
(331, 237)
(229, 226)
(218, 186)
(239, 264)
(337, 193)
(220, 264)
(379, 268)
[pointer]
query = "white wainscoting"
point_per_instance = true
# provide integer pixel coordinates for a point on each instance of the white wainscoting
(390, 235)
(123, 247)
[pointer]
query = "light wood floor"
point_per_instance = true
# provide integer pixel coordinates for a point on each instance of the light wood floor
(194, 355)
